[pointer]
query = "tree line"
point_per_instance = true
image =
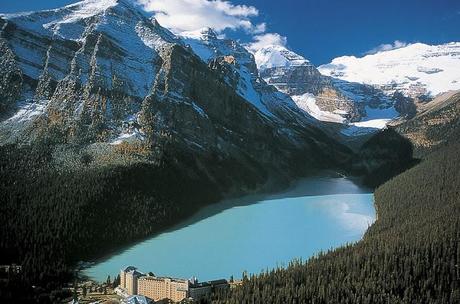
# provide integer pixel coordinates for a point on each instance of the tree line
(52, 219)
(410, 255)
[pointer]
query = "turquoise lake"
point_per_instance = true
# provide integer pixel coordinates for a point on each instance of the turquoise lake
(253, 233)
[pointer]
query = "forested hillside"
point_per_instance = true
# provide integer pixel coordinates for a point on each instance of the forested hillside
(384, 155)
(52, 219)
(410, 255)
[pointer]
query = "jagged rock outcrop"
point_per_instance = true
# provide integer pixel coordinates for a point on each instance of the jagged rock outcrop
(331, 100)
(320, 96)
(404, 105)
(296, 80)
(363, 94)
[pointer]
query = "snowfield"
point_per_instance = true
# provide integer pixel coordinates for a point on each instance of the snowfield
(307, 102)
(434, 69)
(416, 69)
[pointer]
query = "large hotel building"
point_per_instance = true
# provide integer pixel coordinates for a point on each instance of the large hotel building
(156, 288)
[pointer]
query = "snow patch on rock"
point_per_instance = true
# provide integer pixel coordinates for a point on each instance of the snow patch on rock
(307, 103)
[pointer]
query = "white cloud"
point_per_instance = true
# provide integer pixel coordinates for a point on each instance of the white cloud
(260, 28)
(191, 15)
(261, 41)
(387, 47)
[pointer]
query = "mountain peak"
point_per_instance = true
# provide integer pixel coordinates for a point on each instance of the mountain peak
(70, 22)
(98, 6)
(278, 56)
(415, 69)
(85, 8)
(205, 33)
(208, 33)
(124, 40)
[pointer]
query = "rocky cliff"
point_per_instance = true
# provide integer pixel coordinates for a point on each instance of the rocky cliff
(102, 78)
(325, 98)
(363, 94)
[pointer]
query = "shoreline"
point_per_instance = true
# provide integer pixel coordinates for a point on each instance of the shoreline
(309, 187)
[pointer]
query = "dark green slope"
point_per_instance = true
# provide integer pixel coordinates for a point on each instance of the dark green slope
(52, 219)
(410, 255)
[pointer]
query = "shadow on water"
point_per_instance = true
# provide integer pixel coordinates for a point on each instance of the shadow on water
(324, 183)
(319, 185)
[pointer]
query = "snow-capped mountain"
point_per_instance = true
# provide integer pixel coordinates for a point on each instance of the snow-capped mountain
(417, 69)
(364, 93)
(136, 40)
(272, 56)
(105, 79)
(293, 75)
(356, 106)
(208, 47)
(244, 77)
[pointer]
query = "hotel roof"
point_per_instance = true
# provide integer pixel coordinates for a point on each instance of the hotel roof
(129, 268)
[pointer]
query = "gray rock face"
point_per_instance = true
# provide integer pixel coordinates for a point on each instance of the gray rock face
(239, 69)
(337, 100)
(296, 80)
(297, 77)
(90, 71)
(330, 99)
(109, 80)
(404, 105)
(303, 79)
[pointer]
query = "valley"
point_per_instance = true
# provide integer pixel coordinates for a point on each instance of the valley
(415, 238)
(124, 141)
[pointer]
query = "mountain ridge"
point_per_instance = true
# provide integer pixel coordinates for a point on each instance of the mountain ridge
(362, 107)
(415, 69)
(111, 79)
(112, 128)
(110, 121)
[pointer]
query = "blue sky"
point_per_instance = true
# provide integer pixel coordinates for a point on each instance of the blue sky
(317, 29)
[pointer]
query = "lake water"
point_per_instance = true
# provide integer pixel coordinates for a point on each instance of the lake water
(253, 233)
